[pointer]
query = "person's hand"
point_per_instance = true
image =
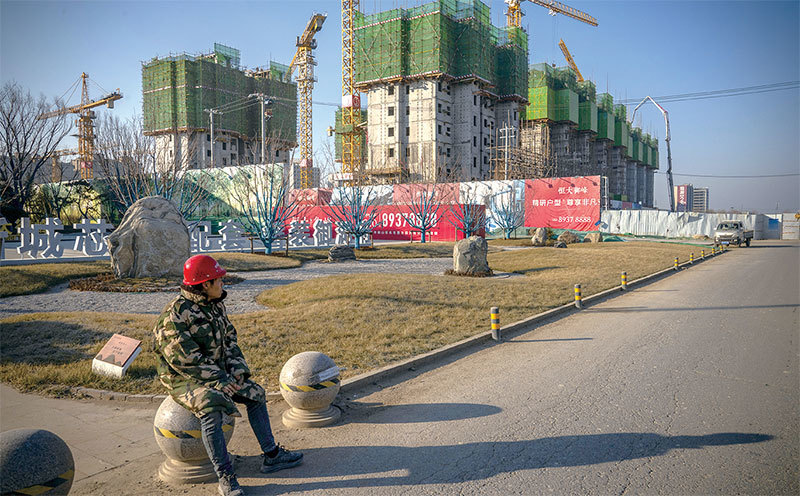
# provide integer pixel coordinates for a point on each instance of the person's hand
(231, 389)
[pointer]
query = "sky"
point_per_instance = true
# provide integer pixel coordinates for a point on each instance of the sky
(639, 48)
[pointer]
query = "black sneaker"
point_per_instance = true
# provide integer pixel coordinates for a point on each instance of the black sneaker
(229, 486)
(282, 459)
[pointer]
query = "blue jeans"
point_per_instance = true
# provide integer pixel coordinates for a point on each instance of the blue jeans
(214, 441)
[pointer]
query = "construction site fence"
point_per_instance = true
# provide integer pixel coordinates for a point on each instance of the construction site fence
(676, 224)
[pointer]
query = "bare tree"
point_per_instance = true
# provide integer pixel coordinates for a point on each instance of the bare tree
(261, 194)
(424, 205)
(26, 145)
(355, 211)
(507, 212)
(133, 167)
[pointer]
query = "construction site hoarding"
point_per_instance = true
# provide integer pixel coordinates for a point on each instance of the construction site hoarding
(390, 222)
(563, 203)
(587, 116)
(404, 194)
(605, 125)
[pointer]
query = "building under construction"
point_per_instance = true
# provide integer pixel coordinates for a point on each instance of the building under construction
(178, 92)
(451, 97)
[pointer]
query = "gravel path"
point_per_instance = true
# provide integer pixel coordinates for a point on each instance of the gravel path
(241, 297)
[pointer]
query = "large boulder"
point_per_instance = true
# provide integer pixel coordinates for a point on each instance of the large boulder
(593, 237)
(340, 253)
(569, 237)
(539, 237)
(151, 241)
(469, 256)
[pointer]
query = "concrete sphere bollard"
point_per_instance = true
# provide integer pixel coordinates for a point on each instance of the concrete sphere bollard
(177, 433)
(309, 384)
(35, 461)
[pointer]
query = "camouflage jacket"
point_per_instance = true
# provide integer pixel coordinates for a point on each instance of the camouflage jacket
(198, 355)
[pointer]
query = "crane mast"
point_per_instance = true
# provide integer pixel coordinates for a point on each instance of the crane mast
(304, 60)
(351, 98)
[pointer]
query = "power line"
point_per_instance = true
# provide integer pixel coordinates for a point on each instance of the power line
(755, 176)
(702, 95)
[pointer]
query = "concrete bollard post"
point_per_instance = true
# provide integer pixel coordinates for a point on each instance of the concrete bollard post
(578, 303)
(35, 461)
(624, 280)
(675, 266)
(495, 318)
(309, 384)
(691, 258)
(177, 433)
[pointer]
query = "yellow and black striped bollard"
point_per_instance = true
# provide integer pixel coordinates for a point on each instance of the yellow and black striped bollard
(624, 280)
(713, 250)
(691, 258)
(702, 254)
(675, 265)
(578, 303)
(495, 316)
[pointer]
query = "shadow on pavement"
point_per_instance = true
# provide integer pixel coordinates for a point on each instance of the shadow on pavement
(477, 461)
(547, 340)
(376, 413)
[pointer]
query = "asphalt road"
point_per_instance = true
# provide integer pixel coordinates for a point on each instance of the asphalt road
(686, 386)
(689, 385)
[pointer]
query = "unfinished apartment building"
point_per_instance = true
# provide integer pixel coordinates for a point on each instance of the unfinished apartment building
(178, 90)
(440, 81)
(569, 130)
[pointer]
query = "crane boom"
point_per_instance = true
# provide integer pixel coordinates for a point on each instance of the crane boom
(514, 12)
(107, 100)
(570, 60)
(669, 151)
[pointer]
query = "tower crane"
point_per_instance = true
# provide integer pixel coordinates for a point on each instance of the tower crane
(85, 124)
(304, 60)
(351, 98)
(570, 61)
(514, 11)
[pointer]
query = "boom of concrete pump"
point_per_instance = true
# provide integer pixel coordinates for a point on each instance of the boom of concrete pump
(669, 152)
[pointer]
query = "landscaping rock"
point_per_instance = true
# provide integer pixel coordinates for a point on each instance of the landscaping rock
(539, 237)
(569, 237)
(560, 244)
(340, 253)
(151, 241)
(469, 256)
(594, 237)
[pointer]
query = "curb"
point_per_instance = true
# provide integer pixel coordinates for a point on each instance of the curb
(353, 384)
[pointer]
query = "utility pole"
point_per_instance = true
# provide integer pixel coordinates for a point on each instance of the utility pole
(211, 113)
(264, 101)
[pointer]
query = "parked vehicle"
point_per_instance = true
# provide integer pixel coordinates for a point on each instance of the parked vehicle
(732, 232)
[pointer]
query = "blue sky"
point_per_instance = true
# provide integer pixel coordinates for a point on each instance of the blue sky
(639, 48)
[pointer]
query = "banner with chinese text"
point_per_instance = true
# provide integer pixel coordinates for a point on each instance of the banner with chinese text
(563, 203)
(390, 223)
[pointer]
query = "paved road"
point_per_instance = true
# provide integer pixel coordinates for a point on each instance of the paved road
(686, 386)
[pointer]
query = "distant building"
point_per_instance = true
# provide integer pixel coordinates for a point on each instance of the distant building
(690, 199)
(293, 172)
(178, 91)
(700, 201)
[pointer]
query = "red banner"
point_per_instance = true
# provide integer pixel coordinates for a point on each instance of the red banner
(391, 225)
(563, 203)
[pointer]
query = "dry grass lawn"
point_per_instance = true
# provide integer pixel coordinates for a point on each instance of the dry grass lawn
(362, 321)
(37, 278)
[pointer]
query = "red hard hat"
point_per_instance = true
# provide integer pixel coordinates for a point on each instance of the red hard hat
(201, 268)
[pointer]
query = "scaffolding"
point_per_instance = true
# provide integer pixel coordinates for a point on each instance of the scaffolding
(177, 89)
(451, 39)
